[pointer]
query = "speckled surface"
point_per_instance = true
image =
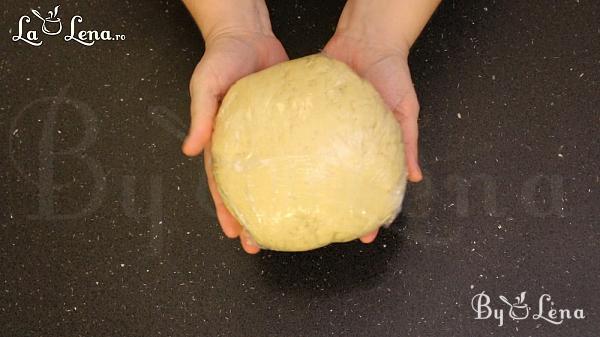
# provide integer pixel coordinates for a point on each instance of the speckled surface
(107, 230)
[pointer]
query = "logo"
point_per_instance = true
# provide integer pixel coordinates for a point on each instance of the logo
(52, 20)
(520, 310)
(51, 25)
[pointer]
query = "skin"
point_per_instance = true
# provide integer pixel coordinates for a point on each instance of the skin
(372, 37)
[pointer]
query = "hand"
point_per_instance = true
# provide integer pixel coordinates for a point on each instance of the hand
(228, 57)
(386, 67)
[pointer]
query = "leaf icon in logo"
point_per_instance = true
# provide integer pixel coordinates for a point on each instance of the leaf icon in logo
(54, 14)
(521, 298)
(36, 13)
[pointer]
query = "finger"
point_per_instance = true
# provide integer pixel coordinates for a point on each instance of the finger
(369, 237)
(407, 115)
(248, 244)
(229, 224)
(410, 138)
(203, 107)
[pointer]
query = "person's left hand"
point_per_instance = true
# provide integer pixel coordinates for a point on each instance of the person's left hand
(386, 67)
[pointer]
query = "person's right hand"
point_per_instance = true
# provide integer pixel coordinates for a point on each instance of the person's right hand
(229, 56)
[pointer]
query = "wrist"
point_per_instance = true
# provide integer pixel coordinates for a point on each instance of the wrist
(373, 41)
(217, 18)
(392, 23)
(361, 20)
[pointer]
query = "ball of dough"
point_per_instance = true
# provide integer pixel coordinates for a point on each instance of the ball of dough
(306, 153)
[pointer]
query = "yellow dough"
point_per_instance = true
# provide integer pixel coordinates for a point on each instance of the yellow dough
(306, 153)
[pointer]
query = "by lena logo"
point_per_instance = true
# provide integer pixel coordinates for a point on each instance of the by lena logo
(520, 310)
(29, 32)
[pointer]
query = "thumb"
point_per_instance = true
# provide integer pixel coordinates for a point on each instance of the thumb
(203, 107)
(407, 114)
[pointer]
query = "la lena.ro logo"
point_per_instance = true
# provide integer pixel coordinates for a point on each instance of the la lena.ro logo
(520, 310)
(29, 32)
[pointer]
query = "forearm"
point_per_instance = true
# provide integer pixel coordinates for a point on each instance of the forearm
(215, 17)
(397, 21)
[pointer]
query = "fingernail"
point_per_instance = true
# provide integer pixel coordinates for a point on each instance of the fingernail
(250, 241)
(370, 237)
(184, 146)
(416, 176)
(230, 233)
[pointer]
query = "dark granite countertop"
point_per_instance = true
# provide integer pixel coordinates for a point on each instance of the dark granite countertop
(108, 230)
